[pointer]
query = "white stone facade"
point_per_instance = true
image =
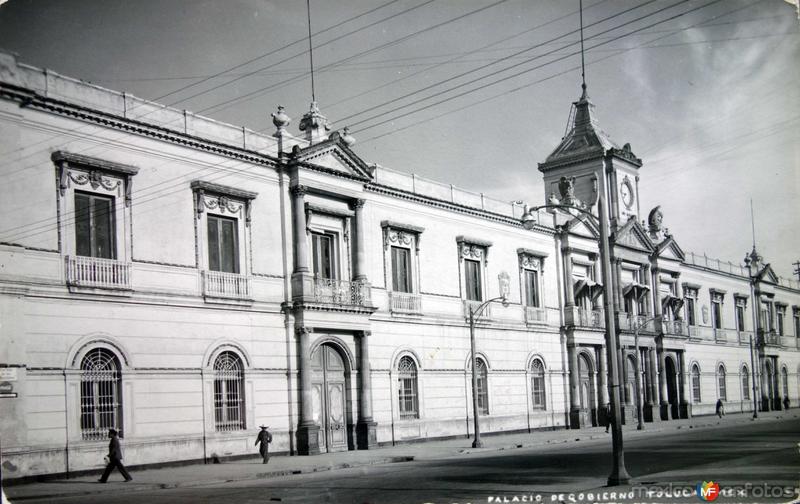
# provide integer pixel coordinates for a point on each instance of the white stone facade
(319, 355)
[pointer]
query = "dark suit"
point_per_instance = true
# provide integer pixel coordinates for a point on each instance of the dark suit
(265, 438)
(115, 460)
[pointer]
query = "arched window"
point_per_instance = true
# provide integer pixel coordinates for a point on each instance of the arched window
(101, 404)
(407, 388)
(483, 388)
(696, 383)
(228, 392)
(723, 394)
(630, 380)
(538, 396)
(745, 383)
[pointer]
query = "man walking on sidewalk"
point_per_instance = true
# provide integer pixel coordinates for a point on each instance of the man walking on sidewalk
(265, 438)
(114, 458)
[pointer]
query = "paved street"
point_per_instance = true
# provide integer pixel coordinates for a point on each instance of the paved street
(731, 453)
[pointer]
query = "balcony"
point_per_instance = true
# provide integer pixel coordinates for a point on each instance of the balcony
(219, 284)
(579, 317)
(720, 335)
(341, 292)
(674, 328)
(629, 322)
(744, 337)
(94, 272)
(405, 302)
(474, 305)
(771, 339)
(535, 315)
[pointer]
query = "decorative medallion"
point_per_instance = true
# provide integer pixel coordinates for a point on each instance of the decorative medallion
(221, 203)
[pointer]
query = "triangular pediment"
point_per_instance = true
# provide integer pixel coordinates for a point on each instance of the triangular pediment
(669, 249)
(582, 225)
(333, 156)
(768, 275)
(633, 236)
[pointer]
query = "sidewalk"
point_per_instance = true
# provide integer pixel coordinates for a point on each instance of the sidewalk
(209, 474)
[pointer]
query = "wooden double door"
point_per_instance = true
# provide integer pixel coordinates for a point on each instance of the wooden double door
(329, 389)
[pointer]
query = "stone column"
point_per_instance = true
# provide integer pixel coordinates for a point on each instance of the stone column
(569, 285)
(684, 407)
(366, 435)
(360, 269)
(299, 235)
(662, 385)
(652, 413)
(603, 386)
(307, 430)
(765, 404)
(656, 294)
(574, 387)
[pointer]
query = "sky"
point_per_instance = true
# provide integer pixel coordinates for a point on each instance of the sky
(476, 93)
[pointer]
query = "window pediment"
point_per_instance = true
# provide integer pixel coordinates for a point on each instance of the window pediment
(99, 174)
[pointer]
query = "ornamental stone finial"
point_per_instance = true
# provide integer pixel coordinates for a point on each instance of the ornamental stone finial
(347, 138)
(280, 120)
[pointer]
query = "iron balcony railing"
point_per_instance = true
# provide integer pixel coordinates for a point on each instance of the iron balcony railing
(674, 327)
(85, 271)
(341, 292)
(772, 338)
(580, 317)
(405, 302)
(226, 285)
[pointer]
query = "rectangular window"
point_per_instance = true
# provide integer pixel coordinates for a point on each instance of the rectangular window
(401, 269)
(797, 325)
(94, 226)
(223, 244)
(690, 313)
(472, 274)
(716, 311)
(537, 391)
(531, 288)
(780, 322)
(739, 317)
(324, 247)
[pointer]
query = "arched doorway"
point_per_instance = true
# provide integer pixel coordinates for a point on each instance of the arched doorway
(329, 380)
(587, 391)
(672, 387)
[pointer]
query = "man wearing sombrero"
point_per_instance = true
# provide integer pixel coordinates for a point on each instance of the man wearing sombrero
(265, 438)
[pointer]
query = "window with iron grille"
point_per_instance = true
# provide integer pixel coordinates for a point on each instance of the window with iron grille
(101, 407)
(483, 387)
(538, 397)
(407, 388)
(745, 383)
(228, 392)
(696, 384)
(723, 393)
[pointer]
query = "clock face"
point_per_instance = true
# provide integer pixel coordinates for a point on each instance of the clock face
(626, 194)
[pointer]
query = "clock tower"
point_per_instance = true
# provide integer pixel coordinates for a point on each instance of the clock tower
(590, 161)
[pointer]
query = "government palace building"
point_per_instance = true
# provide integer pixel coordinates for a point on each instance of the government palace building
(186, 281)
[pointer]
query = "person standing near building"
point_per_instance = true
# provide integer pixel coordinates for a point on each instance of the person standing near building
(114, 458)
(265, 438)
(720, 408)
(608, 416)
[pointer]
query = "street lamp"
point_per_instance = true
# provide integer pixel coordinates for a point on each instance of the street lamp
(619, 475)
(505, 288)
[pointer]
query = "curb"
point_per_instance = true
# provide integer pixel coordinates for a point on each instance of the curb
(195, 484)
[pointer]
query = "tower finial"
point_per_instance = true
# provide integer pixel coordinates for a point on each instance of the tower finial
(310, 50)
(583, 66)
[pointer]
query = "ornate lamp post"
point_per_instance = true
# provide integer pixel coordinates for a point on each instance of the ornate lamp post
(505, 288)
(619, 475)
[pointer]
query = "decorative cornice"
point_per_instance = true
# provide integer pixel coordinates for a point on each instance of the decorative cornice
(222, 190)
(32, 99)
(447, 205)
(402, 227)
(79, 160)
(534, 253)
(298, 191)
(339, 212)
(473, 241)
